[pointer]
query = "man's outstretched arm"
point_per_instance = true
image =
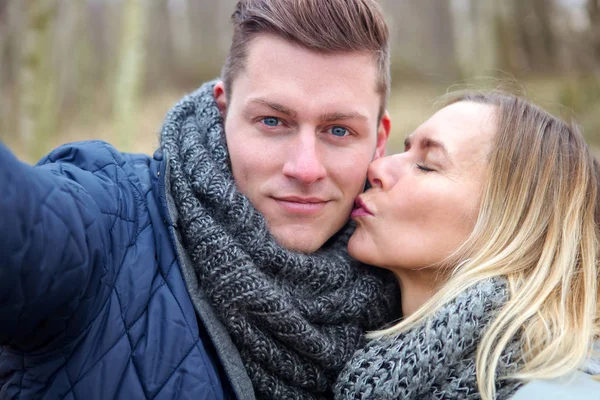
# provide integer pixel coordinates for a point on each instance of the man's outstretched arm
(54, 242)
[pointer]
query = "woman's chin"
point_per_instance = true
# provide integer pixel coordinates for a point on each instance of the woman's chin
(359, 248)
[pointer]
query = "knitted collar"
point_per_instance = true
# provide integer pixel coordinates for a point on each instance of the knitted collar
(295, 318)
(434, 360)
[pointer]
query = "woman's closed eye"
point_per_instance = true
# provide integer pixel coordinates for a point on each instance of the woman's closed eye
(424, 168)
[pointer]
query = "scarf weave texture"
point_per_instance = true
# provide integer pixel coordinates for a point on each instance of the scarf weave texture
(295, 318)
(435, 359)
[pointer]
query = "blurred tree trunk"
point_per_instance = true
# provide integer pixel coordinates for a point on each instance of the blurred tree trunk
(527, 34)
(431, 27)
(544, 10)
(104, 35)
(205, 45)
(475, 36)
(441, 38)
(534, 20)
(418, 25)
(5, 98)
(484, 15)
(3, 37)
(593, 7)
(129, 72)
(164, 62)
(180, 31)
(76, 78)
(485, 37)
(37, 83)
(507, 60)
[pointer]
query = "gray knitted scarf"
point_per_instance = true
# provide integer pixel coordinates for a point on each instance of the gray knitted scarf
(434, 360)
(295, 318)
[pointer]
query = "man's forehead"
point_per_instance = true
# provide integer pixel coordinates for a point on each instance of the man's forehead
(292, 79)
(288, 58)
(273, 42)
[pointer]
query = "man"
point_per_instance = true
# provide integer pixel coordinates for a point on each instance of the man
(217, 268)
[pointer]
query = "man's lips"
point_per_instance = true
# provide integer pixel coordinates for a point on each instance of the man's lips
(360, 209)
(301, 205)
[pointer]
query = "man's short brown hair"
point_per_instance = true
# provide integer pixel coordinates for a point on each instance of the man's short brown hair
(325, 26)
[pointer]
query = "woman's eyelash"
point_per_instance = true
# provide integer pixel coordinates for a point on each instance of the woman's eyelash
(424, 168)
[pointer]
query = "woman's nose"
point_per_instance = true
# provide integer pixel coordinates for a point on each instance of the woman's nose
(374, 173)
(382, 173)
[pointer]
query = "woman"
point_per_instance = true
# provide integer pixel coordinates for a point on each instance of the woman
(489, 219)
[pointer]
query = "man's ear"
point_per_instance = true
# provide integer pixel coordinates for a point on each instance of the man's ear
(220, 98)
(383, 133)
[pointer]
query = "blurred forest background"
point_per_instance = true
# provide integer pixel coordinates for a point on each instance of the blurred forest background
(111, 69)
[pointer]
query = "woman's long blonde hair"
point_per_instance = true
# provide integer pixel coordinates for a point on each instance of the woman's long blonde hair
(538, 227)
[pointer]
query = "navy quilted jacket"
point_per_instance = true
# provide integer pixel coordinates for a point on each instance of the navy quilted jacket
(92, 300)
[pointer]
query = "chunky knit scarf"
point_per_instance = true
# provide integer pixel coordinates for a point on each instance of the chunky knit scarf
(295, 318)
(435, 360)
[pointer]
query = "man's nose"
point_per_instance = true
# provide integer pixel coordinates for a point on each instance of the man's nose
(304, 162)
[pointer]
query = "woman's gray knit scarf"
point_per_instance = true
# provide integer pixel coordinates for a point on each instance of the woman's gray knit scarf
(434, 360)
(295, 318)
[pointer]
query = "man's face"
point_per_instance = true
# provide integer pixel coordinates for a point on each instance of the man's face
(301, 129)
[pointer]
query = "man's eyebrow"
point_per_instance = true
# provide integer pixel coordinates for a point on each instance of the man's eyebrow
(427, 142)
(340, 116)
(275, 106)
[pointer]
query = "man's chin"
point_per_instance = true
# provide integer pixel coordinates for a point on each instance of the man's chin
(301, 241)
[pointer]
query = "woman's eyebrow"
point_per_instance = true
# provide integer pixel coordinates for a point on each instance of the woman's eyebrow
(427, 143)
(432, 143)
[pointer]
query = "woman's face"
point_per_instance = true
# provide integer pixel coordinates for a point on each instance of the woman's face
(424, 202)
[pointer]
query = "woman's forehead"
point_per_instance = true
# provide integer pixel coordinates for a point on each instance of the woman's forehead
(458, 129)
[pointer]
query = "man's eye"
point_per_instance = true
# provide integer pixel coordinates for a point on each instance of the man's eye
(270, 121)
(339, 131)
